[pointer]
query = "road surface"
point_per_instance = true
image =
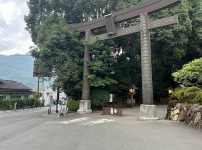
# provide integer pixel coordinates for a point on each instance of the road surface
(34, 130)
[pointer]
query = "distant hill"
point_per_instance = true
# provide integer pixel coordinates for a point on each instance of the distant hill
(18, 68)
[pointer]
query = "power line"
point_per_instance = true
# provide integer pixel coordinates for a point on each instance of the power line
(13, 37)
(18, 44)
(10, 29)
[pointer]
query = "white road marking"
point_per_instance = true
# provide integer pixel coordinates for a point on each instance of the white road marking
(75, 120)
(91, 123)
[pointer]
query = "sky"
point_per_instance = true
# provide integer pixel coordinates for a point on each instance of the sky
(14, 39)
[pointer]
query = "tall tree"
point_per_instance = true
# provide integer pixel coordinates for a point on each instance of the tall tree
(171, 47)
(60, 51)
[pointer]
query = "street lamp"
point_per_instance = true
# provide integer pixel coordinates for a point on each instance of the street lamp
(170, 92)
(132, 91)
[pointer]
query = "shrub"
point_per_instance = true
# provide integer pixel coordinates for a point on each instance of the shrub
(190, 94)
(73, 105)
(198, 98)
(178, 94)
(190, 74)
(99, 98)
(7, 104)
(187, 94)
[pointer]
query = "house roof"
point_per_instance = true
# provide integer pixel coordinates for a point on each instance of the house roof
(13, 85)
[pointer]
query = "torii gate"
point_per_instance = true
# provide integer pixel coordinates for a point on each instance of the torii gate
(143, 10)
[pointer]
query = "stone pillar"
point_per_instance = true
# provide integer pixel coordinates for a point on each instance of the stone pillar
(86, 86)
(148, 112)
(85, 103)
(146, 65)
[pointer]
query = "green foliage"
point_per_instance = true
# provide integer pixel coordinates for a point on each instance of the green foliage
(7, 104)
(100, 82)
(187, 94)
(172, 46)
(60, 52)
(73, 105)
(99, 98)
(198, 98)
(100, 66)
(190, 74)
(178, 94)
(190, 93)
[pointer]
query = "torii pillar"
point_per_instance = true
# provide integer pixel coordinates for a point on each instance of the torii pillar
(146, 65)
(147, 110)
(85, 103)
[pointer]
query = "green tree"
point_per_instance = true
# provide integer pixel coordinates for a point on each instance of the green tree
(190, 74)
(60, 51)
(171, 46)
(101, 65)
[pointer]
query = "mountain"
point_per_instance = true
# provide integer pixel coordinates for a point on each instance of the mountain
(18, 68)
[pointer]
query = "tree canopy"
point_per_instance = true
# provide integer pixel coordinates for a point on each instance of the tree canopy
(190, 74)
(115, 63)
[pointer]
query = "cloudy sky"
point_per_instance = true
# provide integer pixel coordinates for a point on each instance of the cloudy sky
(14, 39)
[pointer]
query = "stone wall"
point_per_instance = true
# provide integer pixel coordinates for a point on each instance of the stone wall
(191, 114)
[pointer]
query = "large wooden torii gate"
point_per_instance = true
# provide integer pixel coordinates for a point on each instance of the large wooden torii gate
(141, 10)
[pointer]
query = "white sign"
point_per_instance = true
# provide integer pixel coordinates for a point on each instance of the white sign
(111, 98)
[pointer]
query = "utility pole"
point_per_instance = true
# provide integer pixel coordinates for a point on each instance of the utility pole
(38, 85)
(58, 97)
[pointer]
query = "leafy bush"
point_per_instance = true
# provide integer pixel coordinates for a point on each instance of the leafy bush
(190, 74)
(7, 104)
(187, 94)
(99, 98)
(198, 98)
(190, 93)
(178, 94)
(73, 105)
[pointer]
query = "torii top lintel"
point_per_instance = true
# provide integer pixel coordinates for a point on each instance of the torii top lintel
(146, 6)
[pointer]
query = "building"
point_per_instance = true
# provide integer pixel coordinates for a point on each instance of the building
(12, 89)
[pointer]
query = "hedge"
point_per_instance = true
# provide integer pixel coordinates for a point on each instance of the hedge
(73, 105)
(188, 94)
(8, 104)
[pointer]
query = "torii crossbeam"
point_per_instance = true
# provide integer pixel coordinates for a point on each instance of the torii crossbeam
(141, 10)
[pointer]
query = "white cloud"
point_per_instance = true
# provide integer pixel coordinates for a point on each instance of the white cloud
(13, 36)
(8, 10)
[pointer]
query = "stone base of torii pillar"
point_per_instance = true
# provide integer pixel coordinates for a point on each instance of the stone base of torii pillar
(84, 107)
(148, 112)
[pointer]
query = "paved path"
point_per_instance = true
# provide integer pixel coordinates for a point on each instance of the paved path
(97, 132)
(13, 123)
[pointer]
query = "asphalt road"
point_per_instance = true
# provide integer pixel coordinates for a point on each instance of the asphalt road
(17, 122)
(34, 130)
